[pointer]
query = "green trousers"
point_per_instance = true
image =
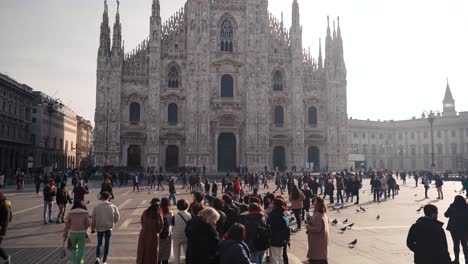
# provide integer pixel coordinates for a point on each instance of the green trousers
(78, 241)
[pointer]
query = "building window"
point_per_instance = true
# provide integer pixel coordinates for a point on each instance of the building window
(279, 116)
(426, 149)
(278, 81)
(173, 77)
(412, 135)
(173, 114)
(413, 150)
(227, 86)
(373, 150)
(400, 150)
(134, 112)
(364, 148)
(312, 116)
(66, 145)
(454, 148)
(227, 35)
(440, 149)
(454, 133)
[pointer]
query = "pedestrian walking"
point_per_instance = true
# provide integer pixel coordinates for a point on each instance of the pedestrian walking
(427, 239)
(105, 216)
(318, 233)
(151, 227)
(297, 202)
(5, 219)
(376, 185)
(136, 182)
(425, 181)
(62, 198)
(160, 180)
(458, 227)
(439, 183)
(172, 190)
(49, 196)
(37, 182)
(339, 189)
(306, 204)
(80, 191)
(107, 187)
(76, 228)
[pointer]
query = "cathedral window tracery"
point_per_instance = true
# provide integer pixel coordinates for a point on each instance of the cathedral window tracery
(312, 116)
(173, 77)
(172, 114)
(134, 112)
(227, 35)
(278, 81)
(279, 116)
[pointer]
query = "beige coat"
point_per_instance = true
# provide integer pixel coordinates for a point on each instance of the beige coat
(299, 203)
(77, 222)
(317, 234)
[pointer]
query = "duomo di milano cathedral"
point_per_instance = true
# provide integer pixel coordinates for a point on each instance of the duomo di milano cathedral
(221, 84)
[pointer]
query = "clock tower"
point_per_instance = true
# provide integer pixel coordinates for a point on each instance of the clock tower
(449, 103)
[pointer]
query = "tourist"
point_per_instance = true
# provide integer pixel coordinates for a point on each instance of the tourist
(237, 189)
(329, 189)
(425, 181)
(151, 227)
(306, 204)
(339, 189)
(427, 239)
(376, 185)
(355, 187)
(160, 180)
(197, 199)
(204, 239)
(165, 238)
(172, 190)
(439, 183)
(383, 186)
(107, 187)
(136, 182)
(317, 233)
(297, 202)
(278, 185)
(280, 232)
(80, 191)
(258, 233)
(76, 229)
(458, 226)
(5, 219)
(218, 204)
(234, 250)
(214, 189)
(48, 195)
(105, 216)
(178, 232)
(63, 197)
(37, 182)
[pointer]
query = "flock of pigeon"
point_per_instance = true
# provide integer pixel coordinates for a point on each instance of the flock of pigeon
(346, 225)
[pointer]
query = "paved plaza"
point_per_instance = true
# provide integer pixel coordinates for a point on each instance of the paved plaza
(379, 241)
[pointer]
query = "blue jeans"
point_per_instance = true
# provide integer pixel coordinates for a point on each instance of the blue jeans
(107, 236)
(47, 216)
(173, 198)
(257, 257)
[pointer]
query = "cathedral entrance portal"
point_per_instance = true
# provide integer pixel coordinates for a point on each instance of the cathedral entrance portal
(134, 157)
(172, 158)
(313, 156)
(279, 158)
(227, 152)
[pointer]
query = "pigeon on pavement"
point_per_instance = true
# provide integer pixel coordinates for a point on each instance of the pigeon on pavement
(378, 217)
(352, 244)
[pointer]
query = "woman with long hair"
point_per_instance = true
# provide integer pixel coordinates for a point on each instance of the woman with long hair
(151, 227)
(457, 214)
(76, 228)
(165, 240)
(297, 202)
(317, 233)
(63, 197)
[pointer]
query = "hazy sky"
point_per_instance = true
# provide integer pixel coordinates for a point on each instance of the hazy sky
(398, 52)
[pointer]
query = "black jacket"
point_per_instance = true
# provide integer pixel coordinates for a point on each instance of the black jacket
(458, 220)
(280, 232)
(49, 193)
(426, 238)
(63, 198)
(204, 243)
(234, 252)
(5, 216)
(79, 192)
(251, 222)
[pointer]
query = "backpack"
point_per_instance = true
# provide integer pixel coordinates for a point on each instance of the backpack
(165, 232)
(261, 238)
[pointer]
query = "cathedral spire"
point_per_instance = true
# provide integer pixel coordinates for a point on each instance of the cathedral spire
(104, 39)
(156, 10)
(320, 59)
(296, 21)
(449, 102)
(328, 46)
(117, 37)
(334, 30)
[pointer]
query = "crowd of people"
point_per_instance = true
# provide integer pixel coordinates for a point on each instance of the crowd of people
(230, 221)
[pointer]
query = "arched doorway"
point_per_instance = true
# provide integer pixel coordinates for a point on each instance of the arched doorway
(279, 158)
(172, 158)
(227, 152)
(134, 157)
(313, 156)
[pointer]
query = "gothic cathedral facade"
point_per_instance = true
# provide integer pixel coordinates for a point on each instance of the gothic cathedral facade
(221, 84)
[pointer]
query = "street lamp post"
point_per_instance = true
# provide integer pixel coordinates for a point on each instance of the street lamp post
(431, 116)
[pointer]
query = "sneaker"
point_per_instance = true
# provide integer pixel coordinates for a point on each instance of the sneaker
(97, 261)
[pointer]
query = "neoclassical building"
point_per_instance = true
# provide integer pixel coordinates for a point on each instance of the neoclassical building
(221, 84)
(407, 144)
